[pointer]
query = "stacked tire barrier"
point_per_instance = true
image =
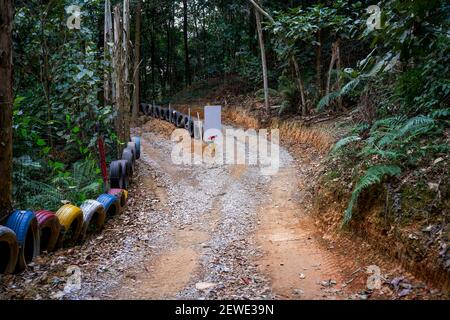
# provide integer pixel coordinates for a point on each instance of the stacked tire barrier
(170, 115)
(26, 234)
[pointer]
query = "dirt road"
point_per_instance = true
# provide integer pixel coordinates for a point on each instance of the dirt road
(230, 232)
(210, 232)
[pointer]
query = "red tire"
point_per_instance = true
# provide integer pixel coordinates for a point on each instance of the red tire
(49, 229)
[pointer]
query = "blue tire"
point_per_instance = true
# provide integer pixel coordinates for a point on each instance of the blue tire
(111, 204)
(25, 225)
(137, 141)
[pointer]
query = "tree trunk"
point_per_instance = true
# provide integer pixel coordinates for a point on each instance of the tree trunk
(45, 78)
(339, 81)
(301, 87)
(168, 57)
(126, 107)
(263, 60)
(330, 69)
(335, 59)
(118, 65)
(126, 37)
(109, 90)
(6, 104)
(153, 58)
(187, 63)
(319, 64)
(137, 63)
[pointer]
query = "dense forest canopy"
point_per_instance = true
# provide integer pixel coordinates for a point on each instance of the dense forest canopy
(322, 57)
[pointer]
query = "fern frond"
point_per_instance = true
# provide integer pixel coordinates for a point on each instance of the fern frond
(325, 101)
(345, 141)
(441, 113)
(416, 123)
(350, 86)
(374, 175)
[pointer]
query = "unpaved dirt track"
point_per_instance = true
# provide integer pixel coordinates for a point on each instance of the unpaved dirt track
(233, 228)
(212, 232)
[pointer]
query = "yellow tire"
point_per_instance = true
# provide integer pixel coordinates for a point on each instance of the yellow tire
(71, 218)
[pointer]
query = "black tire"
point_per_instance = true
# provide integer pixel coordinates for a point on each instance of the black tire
(137, 141)
(150, 110)
(147, 109)
(25, 225)
(180, 120)
(127, 155)
(9, 250)
(142, 107)
(186, 122)
(163, 113)
(132, 146)
(115, 175)
(128, 169)
(173, 117)
(157, 112)
(191, 128)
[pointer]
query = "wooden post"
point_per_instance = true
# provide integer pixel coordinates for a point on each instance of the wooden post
(6, 104)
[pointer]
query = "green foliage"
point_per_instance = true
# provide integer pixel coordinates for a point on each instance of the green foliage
(59, 74)
(345, 141)
(413, 117)
(373, 175)
(35, 188)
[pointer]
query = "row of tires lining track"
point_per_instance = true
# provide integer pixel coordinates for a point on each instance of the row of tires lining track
(26, 234)
(178, 119)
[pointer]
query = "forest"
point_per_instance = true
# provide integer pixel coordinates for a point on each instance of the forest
(372, 77)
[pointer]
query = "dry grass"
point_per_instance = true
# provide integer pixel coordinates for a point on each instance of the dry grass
(241, 118)
(291, 132)
(296, 132)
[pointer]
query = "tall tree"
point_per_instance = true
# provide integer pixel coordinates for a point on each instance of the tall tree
(263, 58)
(137, 62)
(6, 103)
(187, 63)
(123, 109)
(108, 39)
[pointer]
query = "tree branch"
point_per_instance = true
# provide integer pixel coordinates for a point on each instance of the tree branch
(261, 10)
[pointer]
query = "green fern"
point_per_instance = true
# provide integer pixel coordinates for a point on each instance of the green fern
(30, 191)
(441, 113)
(374, 175)
(345, 141)
(326, 100)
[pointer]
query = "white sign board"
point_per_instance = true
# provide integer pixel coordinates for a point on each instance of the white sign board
(213, 121)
